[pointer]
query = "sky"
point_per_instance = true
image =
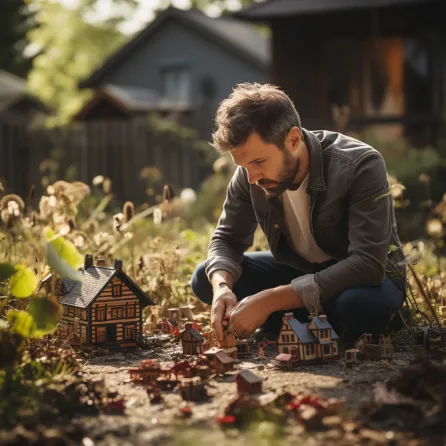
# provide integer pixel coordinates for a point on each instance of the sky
(144, 13)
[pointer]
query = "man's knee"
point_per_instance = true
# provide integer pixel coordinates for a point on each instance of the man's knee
(361, 310)
(200, 284)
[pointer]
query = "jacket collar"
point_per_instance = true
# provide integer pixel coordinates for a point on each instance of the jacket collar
(316, 180)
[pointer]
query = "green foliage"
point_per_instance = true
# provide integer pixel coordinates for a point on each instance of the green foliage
(6, 271)
(62, 256)
(69, 50)
(23, 282)
(41, 318)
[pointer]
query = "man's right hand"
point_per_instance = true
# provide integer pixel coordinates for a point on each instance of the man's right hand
(222, 304)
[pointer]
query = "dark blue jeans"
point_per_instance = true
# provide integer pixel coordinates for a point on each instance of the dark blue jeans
(351, 313)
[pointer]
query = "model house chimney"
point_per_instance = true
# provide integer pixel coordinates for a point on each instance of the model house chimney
(88, 261)
(100, 261)
(118, 264)
(323, 317)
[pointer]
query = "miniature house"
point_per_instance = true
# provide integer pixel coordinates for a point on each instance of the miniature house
(148, 370)
(248, 382)
(192, 340)
(229, 344)
(192, 389)
(220, 361)
(309, 342)
(105, 309)
(351, 357)
(243, 348)
(368, 350)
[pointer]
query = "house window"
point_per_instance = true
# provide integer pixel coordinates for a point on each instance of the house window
(117, 313)
(129, 332)
(176, 85)
(100, 314)
(308, 349)
(326, 349)
(117, 289)
(131, 311)
(283, 338)
(70, 311)
(291, 338)
(100, 335)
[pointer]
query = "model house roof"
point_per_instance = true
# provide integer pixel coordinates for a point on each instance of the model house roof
(305, 334)
(233, 34)
(248, 376)
(194, 333)
(96, 278)
(302, 332)
(286, 8)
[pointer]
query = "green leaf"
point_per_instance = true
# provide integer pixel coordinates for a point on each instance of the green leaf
(40, 319)
(46, 314)
(189, 235)
(23, 282)
(6, 271)
(62, 256)
(22, 323)
(393, 248)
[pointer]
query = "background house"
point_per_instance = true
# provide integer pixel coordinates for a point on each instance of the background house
(385, 59)
(185, 63)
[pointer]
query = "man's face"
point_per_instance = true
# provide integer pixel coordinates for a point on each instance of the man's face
(268, 166)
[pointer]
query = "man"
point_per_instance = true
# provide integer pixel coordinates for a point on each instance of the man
(322, 201)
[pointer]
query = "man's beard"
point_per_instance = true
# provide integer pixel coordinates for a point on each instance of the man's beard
(286, 177)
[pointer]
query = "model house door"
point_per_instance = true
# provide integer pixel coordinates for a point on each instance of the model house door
(111, 333)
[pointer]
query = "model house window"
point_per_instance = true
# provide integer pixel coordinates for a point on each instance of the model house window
(117, 289)
(70, 311)
(131, 311)
(326, 349)
(176, 85)
(292, 337)
(100, 335)
(283, 338)
(129, 333)
(100, 314)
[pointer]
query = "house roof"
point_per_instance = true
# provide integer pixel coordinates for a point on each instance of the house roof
(302, 332)
(96, 278)
(325, 326)
(237, 36)
(271, 9)
(223, 357)
(194, 333)
(11, 85)
(249, 377)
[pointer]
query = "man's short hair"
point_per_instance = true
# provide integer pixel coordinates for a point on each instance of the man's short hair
(254, 107)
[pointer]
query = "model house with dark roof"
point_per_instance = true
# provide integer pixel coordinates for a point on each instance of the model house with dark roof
(308, 342)
(182, 64)
(105, 309)
(248, 382)
(191, 339)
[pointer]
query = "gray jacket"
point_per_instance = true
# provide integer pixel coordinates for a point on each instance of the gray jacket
(350, 220)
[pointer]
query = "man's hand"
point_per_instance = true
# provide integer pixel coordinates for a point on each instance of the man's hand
(223, 303)
(250, 313)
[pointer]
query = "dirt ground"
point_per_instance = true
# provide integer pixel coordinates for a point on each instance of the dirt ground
(143, 423)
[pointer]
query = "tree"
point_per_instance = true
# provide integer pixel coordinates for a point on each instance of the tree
(15, 21)
(70, 48)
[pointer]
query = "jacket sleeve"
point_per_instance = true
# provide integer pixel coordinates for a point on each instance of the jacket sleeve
(235, 229)
(369, 221)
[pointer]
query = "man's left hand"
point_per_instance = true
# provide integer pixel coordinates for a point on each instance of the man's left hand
(249, 314)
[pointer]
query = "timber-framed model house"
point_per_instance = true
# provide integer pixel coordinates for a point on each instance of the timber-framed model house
(105, 309)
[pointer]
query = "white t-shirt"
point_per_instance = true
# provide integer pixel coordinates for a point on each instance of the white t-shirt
(296, 206)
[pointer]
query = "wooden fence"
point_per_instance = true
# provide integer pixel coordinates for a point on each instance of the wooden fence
(116, 149)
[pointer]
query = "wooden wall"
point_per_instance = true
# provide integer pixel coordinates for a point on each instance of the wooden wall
(116, 149)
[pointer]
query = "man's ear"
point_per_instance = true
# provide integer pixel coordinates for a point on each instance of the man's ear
(292, 140)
